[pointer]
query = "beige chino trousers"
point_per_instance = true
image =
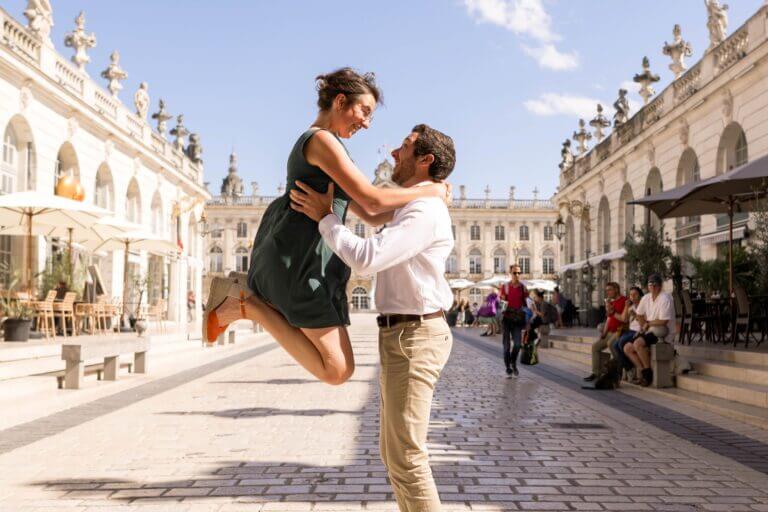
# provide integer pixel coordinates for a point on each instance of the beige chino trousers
(412, 356)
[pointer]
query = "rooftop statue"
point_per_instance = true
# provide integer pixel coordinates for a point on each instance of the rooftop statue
(180, 131)
(114, 73)
(717, 22)
(195, 149)
(566, 157)
(81, 42)
(141, 101)
(622, 109)
(599, 123)
(646, 79)
(582, 136)
(162, 116)
(40, 16)
(678, 50)
(232, 185)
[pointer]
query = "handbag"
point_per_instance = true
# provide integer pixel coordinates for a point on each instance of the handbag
(515, 316)
(529, 356)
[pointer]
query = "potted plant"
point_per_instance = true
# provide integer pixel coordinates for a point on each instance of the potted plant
(138, 322)
(17, 314)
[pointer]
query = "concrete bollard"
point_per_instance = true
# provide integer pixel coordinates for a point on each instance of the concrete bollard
(662, 358)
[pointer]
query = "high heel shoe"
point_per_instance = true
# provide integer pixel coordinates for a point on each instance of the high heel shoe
(221, 289)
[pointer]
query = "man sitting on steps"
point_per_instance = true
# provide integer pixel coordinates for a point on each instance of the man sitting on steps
(614, 306)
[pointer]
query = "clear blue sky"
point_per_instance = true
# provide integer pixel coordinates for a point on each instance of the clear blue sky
(504, 78)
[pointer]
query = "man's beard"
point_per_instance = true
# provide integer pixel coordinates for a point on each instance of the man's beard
(401, 174)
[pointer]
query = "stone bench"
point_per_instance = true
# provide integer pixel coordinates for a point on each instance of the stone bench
(90, 369)
(109, 349)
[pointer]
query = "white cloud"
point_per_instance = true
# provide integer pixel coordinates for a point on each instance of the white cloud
(553, 104)
(550, 57)
(526, 18)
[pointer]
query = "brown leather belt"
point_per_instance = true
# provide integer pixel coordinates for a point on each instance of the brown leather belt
(392, 320)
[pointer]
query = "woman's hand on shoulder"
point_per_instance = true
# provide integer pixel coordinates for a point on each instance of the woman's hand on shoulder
(441, 189)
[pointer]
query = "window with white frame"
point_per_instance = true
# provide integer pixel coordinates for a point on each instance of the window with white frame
(241, 259)
(475, 296)
(216, 256)
(475, 262)
(474, 232)
(8, 165)
(133, 204)
(499, 233)
(104, 192)
(548, 233)
(242, 230)
(360, 299)
(216, 230)
(451, 264)
(524, 233)
(524, 260)
(548, 263)
(360, 230)
(499, 261)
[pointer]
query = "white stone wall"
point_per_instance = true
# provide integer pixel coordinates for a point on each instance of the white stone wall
(727, 88)
(48, 101)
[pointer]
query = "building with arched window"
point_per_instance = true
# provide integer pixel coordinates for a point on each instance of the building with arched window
(701, 124)
(59, 121)
(486, 233)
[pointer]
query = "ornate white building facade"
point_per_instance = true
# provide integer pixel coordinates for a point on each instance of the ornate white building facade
(489, 234)
(709, 119)
(58, 121)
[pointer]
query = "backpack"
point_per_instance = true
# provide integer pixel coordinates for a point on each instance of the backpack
(529, 354)
(609, 377)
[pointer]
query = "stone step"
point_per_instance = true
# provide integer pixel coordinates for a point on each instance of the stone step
(573, 339)
(584, 348)
(579, 358)
(755, 374)
(727, 354)
(757, 416)
(736, 391)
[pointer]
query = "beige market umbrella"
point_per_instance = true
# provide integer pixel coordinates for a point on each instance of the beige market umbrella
(138, 240)
(32, 208)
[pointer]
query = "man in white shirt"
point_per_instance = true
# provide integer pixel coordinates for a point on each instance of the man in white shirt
(656, 315)
(408, 257)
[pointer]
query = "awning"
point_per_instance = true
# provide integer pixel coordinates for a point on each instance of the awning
(719, 237)
(594, 260)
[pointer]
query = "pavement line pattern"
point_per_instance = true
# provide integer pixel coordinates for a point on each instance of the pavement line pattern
(742, 449)
(35, 430)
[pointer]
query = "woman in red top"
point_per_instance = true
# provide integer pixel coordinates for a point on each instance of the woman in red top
(514, 293)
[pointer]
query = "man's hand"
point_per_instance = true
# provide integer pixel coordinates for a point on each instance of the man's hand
(311, 203)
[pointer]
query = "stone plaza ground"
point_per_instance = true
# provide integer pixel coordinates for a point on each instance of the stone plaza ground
(243, 428)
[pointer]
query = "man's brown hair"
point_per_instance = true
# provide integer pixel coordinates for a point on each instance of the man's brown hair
(435, 143)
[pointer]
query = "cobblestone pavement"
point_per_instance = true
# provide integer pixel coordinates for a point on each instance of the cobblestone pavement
(257, 433)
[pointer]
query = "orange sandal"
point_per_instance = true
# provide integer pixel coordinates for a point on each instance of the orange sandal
(221, 289)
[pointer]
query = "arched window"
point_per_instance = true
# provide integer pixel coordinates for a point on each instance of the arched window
(241, 259)
(17, 166)
(104, 192)
(626, 213)
(500, 233)
(688, 172)
(360, 299)
(732, 152)
(451, 264)
(216, 257)
(360, 230)
(133, 203)
(585, 237)
(475, 296)
(549, 233)
(475, 261)
(157, 215)
(524, 233)
(653, 185)
(474, 232)
(66, 163)
(499, 261)
(242, 230)
(524, 260)
(10, 162)
(548, 263)
(604, 226)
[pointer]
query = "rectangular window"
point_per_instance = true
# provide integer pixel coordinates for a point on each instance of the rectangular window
(474, 232)
(216, 231)
(548, 233)
(525, 264)
(548, 266)
(500, 234)
(474, 265)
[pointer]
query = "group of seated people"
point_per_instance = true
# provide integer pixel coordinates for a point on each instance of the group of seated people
(634, 324)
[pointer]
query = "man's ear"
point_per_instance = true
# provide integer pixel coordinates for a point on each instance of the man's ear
(426, 160)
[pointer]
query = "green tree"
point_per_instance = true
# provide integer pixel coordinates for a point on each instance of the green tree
(646, 255)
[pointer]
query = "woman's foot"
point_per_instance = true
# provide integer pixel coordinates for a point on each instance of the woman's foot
(226, 303)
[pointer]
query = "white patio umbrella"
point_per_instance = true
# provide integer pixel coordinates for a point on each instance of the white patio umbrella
(101, 231)
(493, 282)
(31, 208)
(138, 240)
(540, 284)
(460, 284)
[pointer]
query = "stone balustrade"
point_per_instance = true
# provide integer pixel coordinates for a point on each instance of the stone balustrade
(45, 59)
(752, 34)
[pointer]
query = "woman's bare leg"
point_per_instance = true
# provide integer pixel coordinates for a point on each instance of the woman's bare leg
(326, 353)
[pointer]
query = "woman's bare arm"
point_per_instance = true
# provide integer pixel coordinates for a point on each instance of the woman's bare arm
(371, 220)
(324, 151)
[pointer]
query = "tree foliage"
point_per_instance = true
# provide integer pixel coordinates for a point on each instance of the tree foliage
(646, 255)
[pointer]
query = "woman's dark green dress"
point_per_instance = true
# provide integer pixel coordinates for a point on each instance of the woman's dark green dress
(291, 267)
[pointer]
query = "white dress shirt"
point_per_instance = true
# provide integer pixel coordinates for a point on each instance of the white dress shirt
(663, 308)
(408, 256)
